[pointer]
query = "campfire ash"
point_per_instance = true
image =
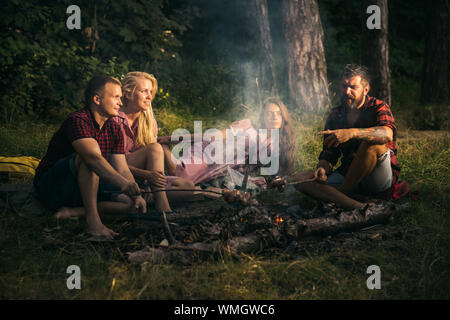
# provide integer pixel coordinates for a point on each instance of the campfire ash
(220, 226)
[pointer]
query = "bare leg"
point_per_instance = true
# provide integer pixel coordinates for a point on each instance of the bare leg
(151, 157)
(88, 182)
(362, 165)
(168, 162)
(324, 192)
(106, 209)
(181, 183)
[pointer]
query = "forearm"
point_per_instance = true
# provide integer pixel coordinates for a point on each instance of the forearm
(126, 173)
(104, 170)
(374, 135)
(326, 165)
(168, 162)
(138, 173)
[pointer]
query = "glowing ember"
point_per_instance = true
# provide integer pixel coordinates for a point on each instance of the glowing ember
(278, 219)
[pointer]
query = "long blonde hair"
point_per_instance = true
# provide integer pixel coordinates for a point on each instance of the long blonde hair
(145, 126)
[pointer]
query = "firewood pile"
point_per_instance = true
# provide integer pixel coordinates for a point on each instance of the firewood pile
(216, 227)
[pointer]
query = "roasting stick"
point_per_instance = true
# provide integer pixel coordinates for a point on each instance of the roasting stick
(245, 181)
(165, 190)
(169, 232)
(302, 181)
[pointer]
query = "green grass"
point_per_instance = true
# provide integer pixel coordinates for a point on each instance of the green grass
(414, 264)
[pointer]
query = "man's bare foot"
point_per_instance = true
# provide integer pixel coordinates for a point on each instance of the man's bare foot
(67, 213)
(101, 230)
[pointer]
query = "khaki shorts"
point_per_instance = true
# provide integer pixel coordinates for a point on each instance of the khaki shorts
(379, 180)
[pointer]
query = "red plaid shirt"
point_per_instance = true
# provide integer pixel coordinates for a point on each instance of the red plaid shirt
(374, 113)
(82, 124)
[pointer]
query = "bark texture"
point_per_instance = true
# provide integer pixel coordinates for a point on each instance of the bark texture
(375, 52)
(266, 63)
(435, 83)
(307, 69)
(258, 67)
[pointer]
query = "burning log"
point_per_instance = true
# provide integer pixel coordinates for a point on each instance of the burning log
(208, 228)
(342, 221)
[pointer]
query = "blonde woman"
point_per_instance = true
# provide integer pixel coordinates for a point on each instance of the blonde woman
(144, 155)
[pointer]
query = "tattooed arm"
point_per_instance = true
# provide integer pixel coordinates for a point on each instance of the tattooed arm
(374, 135)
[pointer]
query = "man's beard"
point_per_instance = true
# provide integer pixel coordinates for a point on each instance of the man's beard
(353, 103)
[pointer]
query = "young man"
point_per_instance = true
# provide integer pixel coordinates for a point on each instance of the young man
(86, 157)
(362, 130)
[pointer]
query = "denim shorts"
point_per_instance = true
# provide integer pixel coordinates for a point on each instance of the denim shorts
(379, 180)
(58, 186)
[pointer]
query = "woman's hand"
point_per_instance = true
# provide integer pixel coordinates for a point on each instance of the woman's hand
(155, 178)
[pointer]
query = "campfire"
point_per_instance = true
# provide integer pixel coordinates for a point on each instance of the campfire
(278, 219)
(241, 224)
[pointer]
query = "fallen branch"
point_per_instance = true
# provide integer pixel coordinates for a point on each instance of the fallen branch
(342, 221)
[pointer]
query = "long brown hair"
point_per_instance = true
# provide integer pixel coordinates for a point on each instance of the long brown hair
(287, 136)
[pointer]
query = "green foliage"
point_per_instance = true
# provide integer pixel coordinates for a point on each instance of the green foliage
(195, 49)
(45, 66)
(205, 89)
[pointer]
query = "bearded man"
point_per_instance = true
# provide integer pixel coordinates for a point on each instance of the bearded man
(363, 132)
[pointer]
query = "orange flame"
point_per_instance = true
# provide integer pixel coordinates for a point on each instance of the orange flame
(278, 219)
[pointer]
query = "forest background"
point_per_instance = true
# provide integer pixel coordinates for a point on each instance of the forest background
(202, 53)
(207, 55)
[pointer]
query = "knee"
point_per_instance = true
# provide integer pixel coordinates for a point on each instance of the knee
(82, 166)
(155, 149)
(302, 175)
(371, 149)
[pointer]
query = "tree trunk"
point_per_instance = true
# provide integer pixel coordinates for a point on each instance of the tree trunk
(268, 78)
(307, 70)
(258, 67)
(435, 84)
(375, 52)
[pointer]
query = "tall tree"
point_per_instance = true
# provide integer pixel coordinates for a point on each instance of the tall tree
(307, 70)
(435, 81)
(375, 47)
(258, 65)
(266, 64)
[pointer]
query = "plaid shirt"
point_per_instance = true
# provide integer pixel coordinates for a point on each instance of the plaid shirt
(374, 113)
(82, 124)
